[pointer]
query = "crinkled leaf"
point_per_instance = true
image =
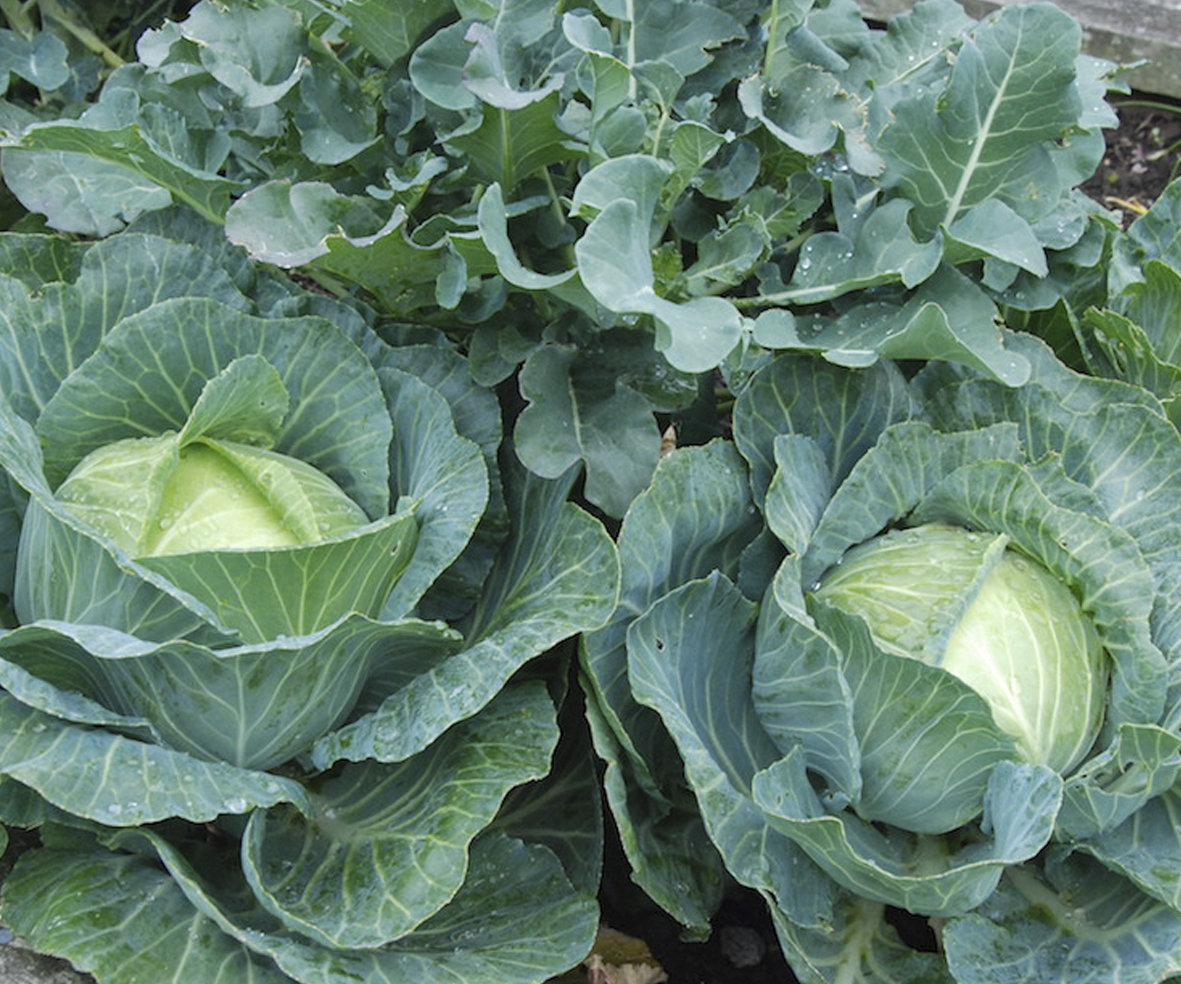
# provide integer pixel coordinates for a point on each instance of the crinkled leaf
(706, 705)
(1021, 803)
(557, 575)
(1143, 762)
(246, 706)
(119, 913)
(367, 869)
(118, 781)
(844, 412)
(1084, 924)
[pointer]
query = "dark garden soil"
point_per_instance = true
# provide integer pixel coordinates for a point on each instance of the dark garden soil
(1142, 156)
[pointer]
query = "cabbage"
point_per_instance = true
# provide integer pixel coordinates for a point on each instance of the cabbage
(995, 619)
(211, 495)
(271, 593)
(902, 658)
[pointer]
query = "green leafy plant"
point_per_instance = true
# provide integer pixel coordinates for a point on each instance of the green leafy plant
(911, 644)
(608, 202)
(272, 601)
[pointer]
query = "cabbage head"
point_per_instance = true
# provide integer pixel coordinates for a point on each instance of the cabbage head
(270, 604)
(910, 672)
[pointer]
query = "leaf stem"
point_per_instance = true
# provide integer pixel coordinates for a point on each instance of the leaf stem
(53, 10)
(17, 15)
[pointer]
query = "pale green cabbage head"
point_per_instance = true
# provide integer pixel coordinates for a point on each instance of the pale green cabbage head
(209, 495)
(971, 604)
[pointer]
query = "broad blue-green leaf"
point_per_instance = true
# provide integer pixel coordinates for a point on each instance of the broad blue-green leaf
(436, 67)
(49, 327)
(667, 538)
(611, 80)
(1145, 849)
(37, 259)
(1153, 236)
(256, 54)
(615, 264)
(247, 705)
(725, 258)
(638, 178)
(803, 698)
(98, 774)
(843, 411)
(884, 251)
(910, 871)
(310, 223)
(798, 492)
(683, 34)
(914, 49)
(510, 145)
(949, 318)
(245, 402)
(929, 743)
(499, 927)
(388, 844)
(557, 575)
(292, 224)
(329, 136)
(486, 74)
(564, 810)
(1010, 92)
(442, 473)
(121, 914)
(993, 229)
(494, 227)
(389, 28)
(1143, 762)
(1137, 338)
(293, 591)
(808, 109)
(94, 180)
(1082, 923)
(577, 414)
(706, 705)
(41, 59)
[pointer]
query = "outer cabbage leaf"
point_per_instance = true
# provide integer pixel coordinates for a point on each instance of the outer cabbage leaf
(663, 545)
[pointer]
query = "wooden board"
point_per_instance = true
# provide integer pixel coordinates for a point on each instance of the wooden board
(1126, 31)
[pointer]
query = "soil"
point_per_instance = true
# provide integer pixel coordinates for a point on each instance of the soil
(1143, 154)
